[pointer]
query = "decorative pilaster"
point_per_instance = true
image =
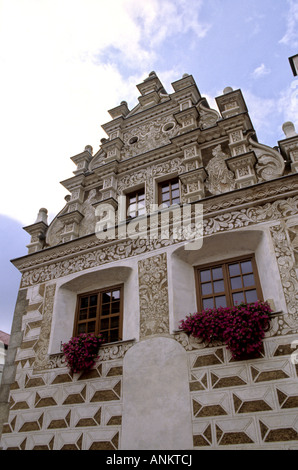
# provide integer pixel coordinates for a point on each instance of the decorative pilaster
(286, 264)
(41, 348)
(193, 185)
(153, 294)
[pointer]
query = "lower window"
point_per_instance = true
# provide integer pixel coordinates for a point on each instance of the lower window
(100, 312)
(228, 283)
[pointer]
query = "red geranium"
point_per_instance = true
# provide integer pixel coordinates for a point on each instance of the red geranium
(82, 351)
(242, 327)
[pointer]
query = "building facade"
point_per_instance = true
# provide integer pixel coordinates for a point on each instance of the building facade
(180, 209)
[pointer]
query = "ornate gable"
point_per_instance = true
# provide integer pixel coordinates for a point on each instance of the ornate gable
(167, 135)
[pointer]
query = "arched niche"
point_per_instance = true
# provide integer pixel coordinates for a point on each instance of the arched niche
(66, 298)
(220, 247)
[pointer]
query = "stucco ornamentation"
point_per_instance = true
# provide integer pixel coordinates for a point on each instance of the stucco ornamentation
(153, 293)
(41, 348)
(220, 178)
(286, 263)
(148, 136)
(107, 252)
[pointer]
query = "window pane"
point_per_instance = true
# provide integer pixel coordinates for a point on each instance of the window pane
(93, 300)
(132, 207)
(84, 302)
(220, 301)
(132, 199)
(106, 297)
(114, 336)
(105, 335)
(246, 267)
(207, 288)
(105, 309)
(175, 193)
(104, 324)
(115, 307)
(236, 282)
(251, 296)
(234, 269)
(116, 295)
(176, 201)
(238, 298)
(175, 185)
(208, 303)
(248, 280)
(165, 188)
(114, 322)
(82, 328)
(218, 286)
(83, 314)
(91, 327)
(205, 275)
(92, 312)
(141, 197)
(141, 210)
(217, 273)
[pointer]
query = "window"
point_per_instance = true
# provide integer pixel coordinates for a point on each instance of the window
(136, 203)
(227, 284)
(101, 312)
(168, 192)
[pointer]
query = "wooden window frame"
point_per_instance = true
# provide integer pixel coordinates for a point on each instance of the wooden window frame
(169, 182)
(228, 290)
(135, 194)
(99, 315)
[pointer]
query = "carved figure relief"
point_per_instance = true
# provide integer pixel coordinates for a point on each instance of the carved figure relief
(220, 178)
(88, 222)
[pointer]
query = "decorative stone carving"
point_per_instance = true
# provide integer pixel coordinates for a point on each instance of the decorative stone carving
(125, 249)
(88, 223)
(270, 163)
(220, 179)
(153, 294)
(208, 117)
(286, 264)
(151, 135)
(243, 167)
(42, 345)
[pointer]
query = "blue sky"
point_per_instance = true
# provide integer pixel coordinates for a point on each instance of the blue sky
(64, 63)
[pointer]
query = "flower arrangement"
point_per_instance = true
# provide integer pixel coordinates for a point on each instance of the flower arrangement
(242, 327)
(82, 351)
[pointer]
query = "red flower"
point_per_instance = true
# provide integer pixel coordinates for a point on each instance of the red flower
(82, 351)
(241, 327)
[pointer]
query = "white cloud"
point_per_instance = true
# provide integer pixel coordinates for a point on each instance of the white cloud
(58, 81)
(261, 71)
(290, 37)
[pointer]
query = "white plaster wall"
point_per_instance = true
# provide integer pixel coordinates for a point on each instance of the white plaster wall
(156, 396)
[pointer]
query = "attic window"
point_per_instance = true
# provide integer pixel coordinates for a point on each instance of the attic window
(133, 140)
(168, 127)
